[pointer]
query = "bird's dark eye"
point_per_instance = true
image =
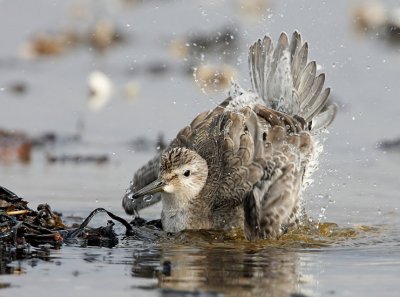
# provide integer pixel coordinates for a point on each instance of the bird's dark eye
(186, 173)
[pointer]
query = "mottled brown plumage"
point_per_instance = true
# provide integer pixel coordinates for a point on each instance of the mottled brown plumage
(242, 164)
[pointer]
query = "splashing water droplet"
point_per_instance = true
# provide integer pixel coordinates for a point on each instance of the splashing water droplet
(321, 214)
(148, 198)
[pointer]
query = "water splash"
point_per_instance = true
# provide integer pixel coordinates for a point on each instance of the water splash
(309, 235)
(148, 198)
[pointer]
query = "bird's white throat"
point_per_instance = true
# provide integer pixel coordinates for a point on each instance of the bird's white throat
(174, 211)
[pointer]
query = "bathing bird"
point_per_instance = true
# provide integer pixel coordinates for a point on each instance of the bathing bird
(244, 163)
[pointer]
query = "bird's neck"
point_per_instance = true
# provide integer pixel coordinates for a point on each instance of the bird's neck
(174, 215)
(181, 212)
(173, 202)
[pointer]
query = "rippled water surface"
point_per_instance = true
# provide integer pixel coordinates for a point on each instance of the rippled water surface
(357, 186)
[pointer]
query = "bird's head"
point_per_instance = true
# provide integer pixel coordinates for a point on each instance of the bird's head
(183, 173)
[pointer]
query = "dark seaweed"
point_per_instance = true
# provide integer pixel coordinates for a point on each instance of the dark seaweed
(22, 227)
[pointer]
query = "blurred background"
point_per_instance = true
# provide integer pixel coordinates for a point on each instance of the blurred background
(90, 90)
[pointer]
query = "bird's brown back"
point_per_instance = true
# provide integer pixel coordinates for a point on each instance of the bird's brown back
(244, 149)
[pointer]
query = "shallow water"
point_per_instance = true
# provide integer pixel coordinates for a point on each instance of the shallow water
(357, 184)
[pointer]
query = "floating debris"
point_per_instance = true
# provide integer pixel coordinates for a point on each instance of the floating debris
(373, 17)
(103, 35)
(145, 144)
(52, 138)
(100, 37)
(390, 145)
(369, 16)
(48, 44)
(17, 146)
(14, 146)
(18, 88)
(100, 88)
(102, 236)
(206, 56)
(222, 43)
(212, 77)
(22, 227)
(393, 25)
(78, 159)
(153, 68)
(157, 68)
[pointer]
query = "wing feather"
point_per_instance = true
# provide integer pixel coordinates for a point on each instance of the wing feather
(274, 199)
(143, 176)
(283, 78)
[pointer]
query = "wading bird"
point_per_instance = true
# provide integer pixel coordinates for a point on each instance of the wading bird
(244, 163)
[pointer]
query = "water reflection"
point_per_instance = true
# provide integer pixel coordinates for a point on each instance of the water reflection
(213, 263)
(189, 270)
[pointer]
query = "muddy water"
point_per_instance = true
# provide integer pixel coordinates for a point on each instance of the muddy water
(357, 186)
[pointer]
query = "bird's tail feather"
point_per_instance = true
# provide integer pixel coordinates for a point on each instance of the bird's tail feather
(287, 83)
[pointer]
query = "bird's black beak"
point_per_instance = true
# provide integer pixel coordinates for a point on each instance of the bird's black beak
(154, 187)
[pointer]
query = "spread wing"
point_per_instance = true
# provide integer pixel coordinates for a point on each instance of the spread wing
(287, 82)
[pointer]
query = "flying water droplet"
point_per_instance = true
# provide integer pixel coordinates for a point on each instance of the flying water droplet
(321, 214)
(148, 198)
